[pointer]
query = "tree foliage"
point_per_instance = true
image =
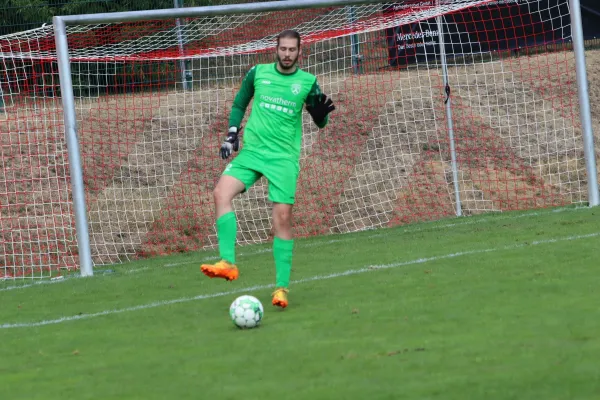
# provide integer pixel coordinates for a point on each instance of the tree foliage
(20, 15)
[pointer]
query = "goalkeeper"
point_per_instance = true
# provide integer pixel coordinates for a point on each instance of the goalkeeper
(272, 143)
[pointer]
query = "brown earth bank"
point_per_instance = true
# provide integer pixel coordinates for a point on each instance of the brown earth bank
(150, 160)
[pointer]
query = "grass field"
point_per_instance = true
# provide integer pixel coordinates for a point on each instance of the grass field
(501, 306)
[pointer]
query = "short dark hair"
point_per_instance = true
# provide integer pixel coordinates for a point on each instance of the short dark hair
(289, 34)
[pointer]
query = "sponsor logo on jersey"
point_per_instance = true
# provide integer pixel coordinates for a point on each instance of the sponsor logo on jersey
(280, 101)
(274, 107)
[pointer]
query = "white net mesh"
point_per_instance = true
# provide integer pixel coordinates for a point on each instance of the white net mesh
(150, 147)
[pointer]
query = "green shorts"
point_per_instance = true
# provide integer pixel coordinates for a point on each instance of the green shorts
(281, 173)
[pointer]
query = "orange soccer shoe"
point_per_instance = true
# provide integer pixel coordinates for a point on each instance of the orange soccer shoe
(222, 269)
(280, 298)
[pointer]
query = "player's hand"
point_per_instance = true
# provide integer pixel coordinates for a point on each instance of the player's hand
(323, 106)
(231, 143)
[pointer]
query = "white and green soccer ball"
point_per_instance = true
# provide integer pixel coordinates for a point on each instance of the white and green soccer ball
(246, 312)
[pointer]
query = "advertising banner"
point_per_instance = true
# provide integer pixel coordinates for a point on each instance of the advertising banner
(494, 26)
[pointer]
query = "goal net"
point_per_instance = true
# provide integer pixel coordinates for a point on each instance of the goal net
(442, 108)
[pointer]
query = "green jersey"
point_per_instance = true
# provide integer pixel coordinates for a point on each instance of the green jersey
(274, 127)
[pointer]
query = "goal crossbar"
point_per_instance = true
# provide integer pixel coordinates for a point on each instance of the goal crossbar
(207, 11)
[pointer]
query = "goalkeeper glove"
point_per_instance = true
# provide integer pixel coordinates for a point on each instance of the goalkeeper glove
(323, 106)
(231, 143)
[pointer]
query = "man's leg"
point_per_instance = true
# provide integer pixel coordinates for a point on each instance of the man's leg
(282, 175)
(227, 188)
(283, 246)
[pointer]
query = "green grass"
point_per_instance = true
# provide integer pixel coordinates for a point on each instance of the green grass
(488, 307)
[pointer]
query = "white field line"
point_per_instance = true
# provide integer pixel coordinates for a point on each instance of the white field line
(299, 281)
(133, 271)
(36, 283)
(384, 233)
(342, 239)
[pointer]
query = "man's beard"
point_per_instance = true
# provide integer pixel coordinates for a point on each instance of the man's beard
(289, 66)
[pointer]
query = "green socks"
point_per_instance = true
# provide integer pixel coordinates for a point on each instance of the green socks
(227, 234)
(282, 251)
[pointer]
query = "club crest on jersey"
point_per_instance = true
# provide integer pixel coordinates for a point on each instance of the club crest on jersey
(296, 88)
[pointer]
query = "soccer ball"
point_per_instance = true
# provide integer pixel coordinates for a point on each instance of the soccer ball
(246, 312)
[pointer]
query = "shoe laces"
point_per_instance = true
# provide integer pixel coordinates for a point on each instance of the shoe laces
(224, 264)
(278, 292)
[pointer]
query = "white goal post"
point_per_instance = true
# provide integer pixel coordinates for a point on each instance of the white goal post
(443, 108)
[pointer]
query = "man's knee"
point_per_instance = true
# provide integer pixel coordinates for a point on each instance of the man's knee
(227, 189)
(283, 215)
(223, 194)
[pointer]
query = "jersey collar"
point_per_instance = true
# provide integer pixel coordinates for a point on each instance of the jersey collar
(281, 73)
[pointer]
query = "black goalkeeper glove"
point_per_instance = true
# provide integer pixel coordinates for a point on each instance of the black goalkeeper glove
(231, 143)
(323, 106)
